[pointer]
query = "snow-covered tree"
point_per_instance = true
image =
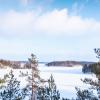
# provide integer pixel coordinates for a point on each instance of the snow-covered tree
(97, 51)
(49, 92)
(11, 90)
(88, 94)
(85, 95)
(33, 78)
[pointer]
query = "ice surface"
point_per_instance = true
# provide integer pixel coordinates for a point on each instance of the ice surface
(66, 78)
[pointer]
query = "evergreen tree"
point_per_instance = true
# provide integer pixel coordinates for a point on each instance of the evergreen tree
(85, 95)
(97, 51)
(12, 90)
(95, 85)
(49, 92)
(85, 68)
(33, 78)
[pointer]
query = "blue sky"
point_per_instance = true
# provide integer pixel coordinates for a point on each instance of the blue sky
(51, 29)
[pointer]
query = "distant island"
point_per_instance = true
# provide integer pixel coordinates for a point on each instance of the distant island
(68, 63)
(25, 64)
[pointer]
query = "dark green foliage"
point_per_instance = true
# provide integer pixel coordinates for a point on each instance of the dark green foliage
(95, 85)
(12, 90)
(49, 92)
(97, 51)
(92, 68)
(86, 69)
(95, 68)
(85, 95)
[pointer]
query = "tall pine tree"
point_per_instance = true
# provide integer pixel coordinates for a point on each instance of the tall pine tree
(33, 78)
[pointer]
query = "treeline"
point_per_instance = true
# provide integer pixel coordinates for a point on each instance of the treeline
(91, 68)
(14, 64)
(68, 63)
(63, 63)
(8, 63)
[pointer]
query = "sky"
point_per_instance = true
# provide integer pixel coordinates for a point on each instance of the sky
(50, 29)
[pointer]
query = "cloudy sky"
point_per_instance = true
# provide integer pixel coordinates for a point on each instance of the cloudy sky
(51, 29)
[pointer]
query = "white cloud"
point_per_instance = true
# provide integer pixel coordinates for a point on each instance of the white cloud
(56, 22)
(13, 23)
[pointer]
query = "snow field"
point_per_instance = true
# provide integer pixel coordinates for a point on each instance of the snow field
(66, 78)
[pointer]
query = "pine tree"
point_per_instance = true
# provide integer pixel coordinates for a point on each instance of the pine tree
(49, 92)
(95, 85)
(85, 95)
(33, 78)
(97, 51)
(54, 94)
(12, 90)
(85, 68)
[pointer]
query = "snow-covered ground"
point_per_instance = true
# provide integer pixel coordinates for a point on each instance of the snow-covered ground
(66, 78)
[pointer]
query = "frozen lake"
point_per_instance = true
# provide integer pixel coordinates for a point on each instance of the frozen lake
(66, 78)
